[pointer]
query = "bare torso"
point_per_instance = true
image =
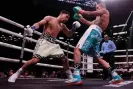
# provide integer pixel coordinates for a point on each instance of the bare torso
(102, 21)
(53, 27)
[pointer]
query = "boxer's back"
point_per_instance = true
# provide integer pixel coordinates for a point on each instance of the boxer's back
(103, 20)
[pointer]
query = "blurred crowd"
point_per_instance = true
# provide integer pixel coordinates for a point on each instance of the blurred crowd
(28, 74)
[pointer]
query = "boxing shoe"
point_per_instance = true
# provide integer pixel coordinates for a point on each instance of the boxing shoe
(76, 78)
(70, 81)
(13, 77)
(116, 80)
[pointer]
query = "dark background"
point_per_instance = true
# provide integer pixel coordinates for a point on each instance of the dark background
(30, 11)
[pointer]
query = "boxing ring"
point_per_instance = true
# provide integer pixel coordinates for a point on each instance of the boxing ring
(54, 83)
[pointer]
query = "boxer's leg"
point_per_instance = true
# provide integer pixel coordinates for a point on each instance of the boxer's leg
(28, 63)
(84, 45)
(77, 57)
(40, 52)
(116, 78)
(105, 64)
(58, 52)
(65, 64)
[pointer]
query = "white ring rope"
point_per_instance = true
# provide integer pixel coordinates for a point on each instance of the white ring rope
(23, 61)
(51, 66)
(36, 32)
(21, 26)
(15, 47)
(30, 39)
(123, 56)
(115, 63)
(102, 69)
(19, 48)
(123, 50)
(29, 50)
(16, 34)
(25, 49)
(39, 64)
(27, 38)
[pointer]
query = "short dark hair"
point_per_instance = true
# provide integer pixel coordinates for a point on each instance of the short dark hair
(106, 35)
(64, 12)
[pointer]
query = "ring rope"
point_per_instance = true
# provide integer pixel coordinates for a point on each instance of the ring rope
(27, 38)
(21, 36)
(52, 66)
(22, 27)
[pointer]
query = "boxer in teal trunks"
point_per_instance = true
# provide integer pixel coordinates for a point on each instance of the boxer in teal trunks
(90, 40)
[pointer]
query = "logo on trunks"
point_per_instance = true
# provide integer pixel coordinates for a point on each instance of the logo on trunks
(94, 36)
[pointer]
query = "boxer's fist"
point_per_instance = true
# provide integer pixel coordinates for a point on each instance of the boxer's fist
(29, 30)
(77, 9)
(76, 24)
(77, 16)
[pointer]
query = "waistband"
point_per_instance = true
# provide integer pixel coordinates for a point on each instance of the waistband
(48, 37)
(96, 27)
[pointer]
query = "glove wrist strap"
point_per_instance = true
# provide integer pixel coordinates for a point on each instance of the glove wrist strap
(81, 12)
(33, 27)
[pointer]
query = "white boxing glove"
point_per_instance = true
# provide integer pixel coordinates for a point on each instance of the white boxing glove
(29, 30)
(76, 24)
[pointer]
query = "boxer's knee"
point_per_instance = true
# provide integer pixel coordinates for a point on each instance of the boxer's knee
(34, 60)
(65, 62)
(96, 57)
(64, 58)
(76, 50)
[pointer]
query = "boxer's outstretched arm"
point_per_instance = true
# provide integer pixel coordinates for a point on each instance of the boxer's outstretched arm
(42, 22)
(93, 13)
(66, 31)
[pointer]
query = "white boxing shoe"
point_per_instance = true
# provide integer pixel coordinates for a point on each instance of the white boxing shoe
(70, 80)
(73, 81)
(13, 77)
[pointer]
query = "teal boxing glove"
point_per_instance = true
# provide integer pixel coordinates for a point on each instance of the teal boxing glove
(77, 9)
(77, 16)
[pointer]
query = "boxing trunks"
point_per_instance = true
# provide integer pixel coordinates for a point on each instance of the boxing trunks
(46, 46)
(90, 41)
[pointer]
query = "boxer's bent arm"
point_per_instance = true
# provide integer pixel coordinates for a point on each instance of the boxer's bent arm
(42, 22)
(66, 31)
(83, 20)
(93, 13)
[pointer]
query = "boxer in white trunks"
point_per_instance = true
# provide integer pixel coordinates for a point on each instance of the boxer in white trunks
(46, 45)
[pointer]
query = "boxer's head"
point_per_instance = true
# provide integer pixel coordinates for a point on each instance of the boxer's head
(100, 5)
(64, 16)
(106, 37)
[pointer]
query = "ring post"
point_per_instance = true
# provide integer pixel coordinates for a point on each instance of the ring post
(68, 44)
(129, 43)
(22, 49)
(127, 52)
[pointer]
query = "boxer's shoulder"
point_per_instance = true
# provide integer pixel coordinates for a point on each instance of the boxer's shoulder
(105, 11)
(49, 17)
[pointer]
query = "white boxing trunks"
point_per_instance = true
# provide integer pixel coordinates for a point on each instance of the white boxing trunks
(89, 42)
(46, 47)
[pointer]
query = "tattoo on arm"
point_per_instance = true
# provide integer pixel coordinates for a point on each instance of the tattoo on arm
(42, 22)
